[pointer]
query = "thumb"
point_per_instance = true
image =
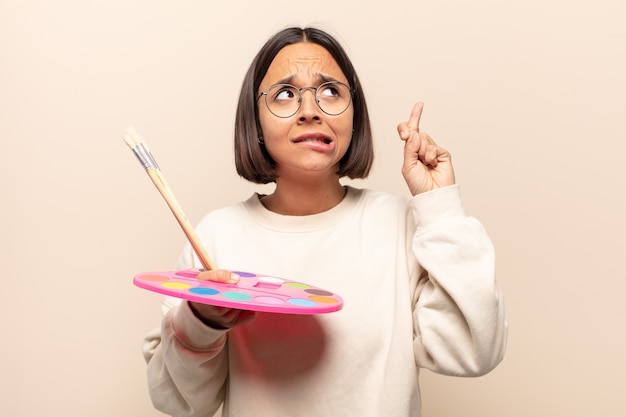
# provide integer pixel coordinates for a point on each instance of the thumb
(219, 275)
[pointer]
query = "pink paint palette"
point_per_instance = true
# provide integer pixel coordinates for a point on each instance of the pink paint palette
(253, 292)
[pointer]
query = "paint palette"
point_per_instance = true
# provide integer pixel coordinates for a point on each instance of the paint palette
(252, 292)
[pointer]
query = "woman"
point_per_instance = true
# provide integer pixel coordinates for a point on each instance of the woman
(416, 277)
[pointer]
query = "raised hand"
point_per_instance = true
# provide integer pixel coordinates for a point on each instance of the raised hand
(426, 166)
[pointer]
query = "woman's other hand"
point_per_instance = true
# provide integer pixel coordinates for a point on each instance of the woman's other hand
(426, 166)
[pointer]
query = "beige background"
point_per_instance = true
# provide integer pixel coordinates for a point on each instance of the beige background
(529, 96)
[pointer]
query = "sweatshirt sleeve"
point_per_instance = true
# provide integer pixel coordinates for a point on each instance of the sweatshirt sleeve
(458, 312)
(187, 361)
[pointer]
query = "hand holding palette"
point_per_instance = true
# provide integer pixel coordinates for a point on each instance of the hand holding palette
(253, 292)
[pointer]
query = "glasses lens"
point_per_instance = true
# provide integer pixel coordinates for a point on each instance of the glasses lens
(283, 100)
(333, 97)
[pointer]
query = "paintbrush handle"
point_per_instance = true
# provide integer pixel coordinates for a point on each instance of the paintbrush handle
(168, 196)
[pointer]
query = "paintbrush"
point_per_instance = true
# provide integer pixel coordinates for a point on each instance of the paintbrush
(139, 148)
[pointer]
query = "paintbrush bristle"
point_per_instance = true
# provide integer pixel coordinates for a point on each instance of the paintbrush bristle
(131, 138)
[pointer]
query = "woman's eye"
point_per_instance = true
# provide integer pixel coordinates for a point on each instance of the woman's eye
(329, 91)
(285, 94)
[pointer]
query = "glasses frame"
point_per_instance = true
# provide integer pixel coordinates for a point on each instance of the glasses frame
(309, 87)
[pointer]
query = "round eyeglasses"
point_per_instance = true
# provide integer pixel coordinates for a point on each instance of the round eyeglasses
(284, 100)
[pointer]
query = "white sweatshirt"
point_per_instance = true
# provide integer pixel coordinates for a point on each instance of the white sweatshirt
(418, 285)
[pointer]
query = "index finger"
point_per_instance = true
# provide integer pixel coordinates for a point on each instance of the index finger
(416, 114)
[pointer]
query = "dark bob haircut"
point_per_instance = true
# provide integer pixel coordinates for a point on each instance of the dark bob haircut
(251, 158)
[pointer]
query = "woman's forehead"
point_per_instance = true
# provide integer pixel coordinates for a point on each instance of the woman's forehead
(302, 62)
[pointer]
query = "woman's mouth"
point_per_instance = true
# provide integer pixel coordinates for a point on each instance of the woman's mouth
(313, 138)
(316, 142)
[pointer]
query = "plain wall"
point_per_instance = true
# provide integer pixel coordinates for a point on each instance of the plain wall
(528, 96)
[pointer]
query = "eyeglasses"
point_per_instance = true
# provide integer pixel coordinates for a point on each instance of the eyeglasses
(284, 100)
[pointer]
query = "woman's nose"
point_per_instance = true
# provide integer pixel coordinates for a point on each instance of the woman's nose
(308, 107)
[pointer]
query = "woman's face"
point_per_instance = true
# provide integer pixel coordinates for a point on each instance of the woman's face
(310, 142)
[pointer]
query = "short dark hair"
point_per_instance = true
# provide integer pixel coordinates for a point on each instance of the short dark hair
(251, 158)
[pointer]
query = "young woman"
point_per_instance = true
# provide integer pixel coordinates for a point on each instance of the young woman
(417, 276)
